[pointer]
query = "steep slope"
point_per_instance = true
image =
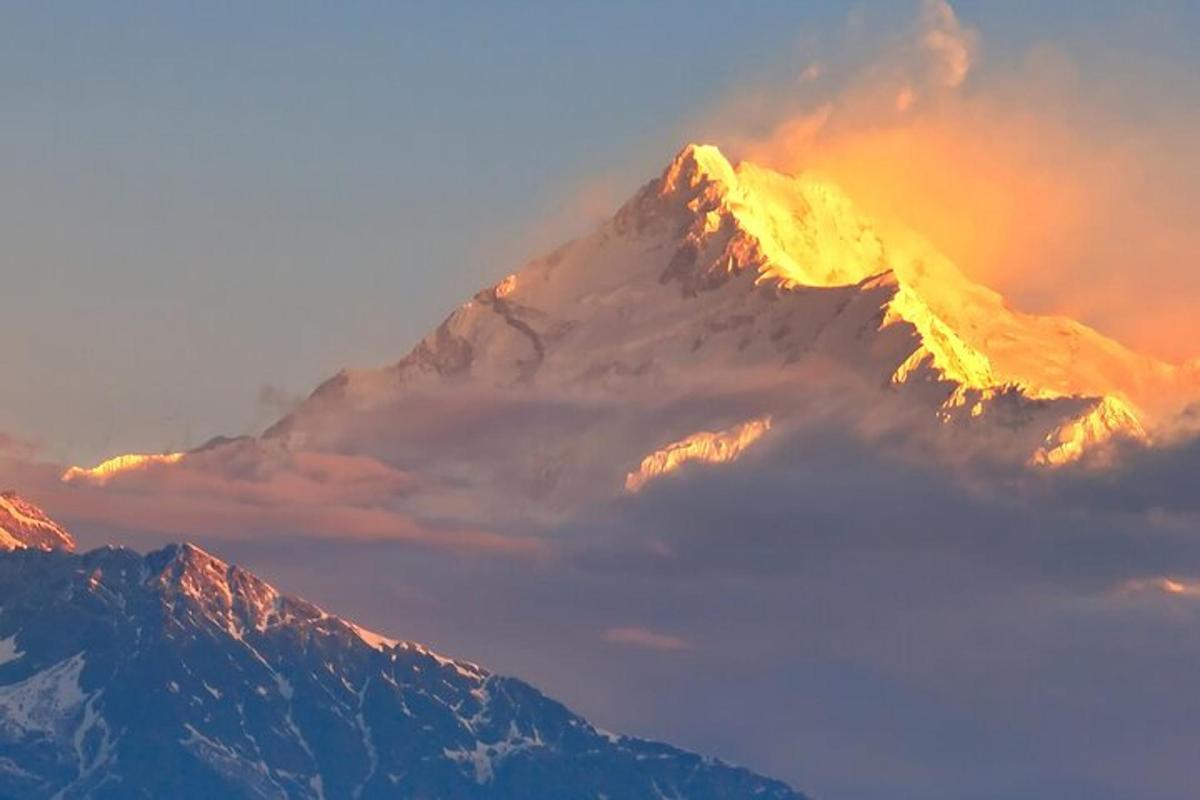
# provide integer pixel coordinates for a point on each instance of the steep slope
(177, 675)
(24, 525)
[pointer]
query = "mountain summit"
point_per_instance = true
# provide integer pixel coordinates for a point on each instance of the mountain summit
(178, 675)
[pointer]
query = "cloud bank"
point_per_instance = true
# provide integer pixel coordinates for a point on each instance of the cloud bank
(835, 614)
(823, 603)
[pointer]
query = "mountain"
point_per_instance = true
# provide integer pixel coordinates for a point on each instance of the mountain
(718, 296)
(24, 525)
(728, 267)
(177, 675)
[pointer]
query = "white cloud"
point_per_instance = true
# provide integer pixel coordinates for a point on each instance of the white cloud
(949, 46)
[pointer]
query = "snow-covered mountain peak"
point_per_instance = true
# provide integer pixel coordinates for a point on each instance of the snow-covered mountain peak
(236, 601)
(24, 525)
(796, 230)
(715, 272)
(231, 598)
(802, 230)
(177, 562)
(697, 164)
(718, 294)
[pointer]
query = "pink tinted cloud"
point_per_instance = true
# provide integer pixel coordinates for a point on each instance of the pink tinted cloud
(644, 638)
(240, 492)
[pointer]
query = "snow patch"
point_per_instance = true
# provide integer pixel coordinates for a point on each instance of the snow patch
(720, 447)
(45, 702)
(378, 641)
(485, 756)
(8, 649)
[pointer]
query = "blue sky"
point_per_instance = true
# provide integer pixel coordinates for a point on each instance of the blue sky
(200, 200)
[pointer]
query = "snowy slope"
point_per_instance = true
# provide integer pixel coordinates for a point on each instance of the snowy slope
(177, 675)
(22, 524)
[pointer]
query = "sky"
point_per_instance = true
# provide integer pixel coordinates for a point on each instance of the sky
(209, 208)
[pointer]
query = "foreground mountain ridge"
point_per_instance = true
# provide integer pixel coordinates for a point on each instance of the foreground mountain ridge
(177, 675)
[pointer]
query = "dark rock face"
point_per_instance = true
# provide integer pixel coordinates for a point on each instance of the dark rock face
(177, 675)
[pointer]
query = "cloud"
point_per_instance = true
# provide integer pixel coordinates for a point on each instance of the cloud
(811, 72)
(957, 635)
(956, 629)
(1168, 586)
(1070, 191)
(1134, 478)
(644, 638)
(988, 615)
(273, 402)
(948, 45)
(571, 211)
(12, 448)
(247, 489)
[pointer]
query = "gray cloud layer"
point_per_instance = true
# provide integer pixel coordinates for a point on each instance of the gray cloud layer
(830, 612)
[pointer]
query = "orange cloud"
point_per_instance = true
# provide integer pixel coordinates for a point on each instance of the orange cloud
(635, 636)
(948, 45)
(1034, 181)
(13, 448)
(1168, 586)
(183, 516)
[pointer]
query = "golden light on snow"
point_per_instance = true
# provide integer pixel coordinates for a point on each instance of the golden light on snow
(506, 287)
(1073, 439)
(709, 447)
(804, 230)
(1018, 197)
(105, 471)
